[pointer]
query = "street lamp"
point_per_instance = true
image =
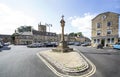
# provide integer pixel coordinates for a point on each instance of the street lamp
(48, 25)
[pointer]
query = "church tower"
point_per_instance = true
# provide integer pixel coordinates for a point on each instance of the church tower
(41, 28)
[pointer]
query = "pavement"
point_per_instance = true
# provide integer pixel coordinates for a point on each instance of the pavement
(70, 64)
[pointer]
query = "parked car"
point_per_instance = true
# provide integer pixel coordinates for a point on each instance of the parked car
(100, 46)
(35, 45)
(50, 44)
(77, 43)
(86, 44)
(116, 46)
(70, 43)
(1, 45)
(6, 44)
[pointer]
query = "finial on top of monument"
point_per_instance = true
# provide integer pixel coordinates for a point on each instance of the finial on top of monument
(62, 16)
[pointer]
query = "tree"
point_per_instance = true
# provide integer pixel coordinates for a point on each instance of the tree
(71, 34)
(24, 29)
(79, 34)
(76, 34)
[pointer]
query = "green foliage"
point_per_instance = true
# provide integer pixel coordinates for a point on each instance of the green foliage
(71, 34)
(24, 29)
(76, 34)
(80, 34)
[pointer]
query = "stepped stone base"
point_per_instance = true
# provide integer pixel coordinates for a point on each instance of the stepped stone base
(62, 49)
(71, 63)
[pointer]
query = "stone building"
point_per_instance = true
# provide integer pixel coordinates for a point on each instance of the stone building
(23, 39)
(41, 27)
(69, 38)
(35, 36)
(5, 38)
(39, 36)
(105, 29)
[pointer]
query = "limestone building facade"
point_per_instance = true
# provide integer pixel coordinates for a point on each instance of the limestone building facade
(105, 29)
(35, 36)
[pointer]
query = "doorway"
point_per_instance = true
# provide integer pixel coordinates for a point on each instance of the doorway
(103, 42)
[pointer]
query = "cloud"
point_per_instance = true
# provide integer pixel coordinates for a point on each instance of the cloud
(83, 23)
(11, 19)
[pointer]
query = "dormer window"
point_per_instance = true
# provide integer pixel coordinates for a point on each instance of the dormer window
(104, 17)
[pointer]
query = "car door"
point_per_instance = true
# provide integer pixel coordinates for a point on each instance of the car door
(118, 46)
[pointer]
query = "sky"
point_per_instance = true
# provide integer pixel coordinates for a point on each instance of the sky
(77, 14)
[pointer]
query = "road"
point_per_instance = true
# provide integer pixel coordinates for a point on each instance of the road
(21, 61)
(107, 61)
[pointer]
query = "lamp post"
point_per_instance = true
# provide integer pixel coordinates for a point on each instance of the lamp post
(49, 25)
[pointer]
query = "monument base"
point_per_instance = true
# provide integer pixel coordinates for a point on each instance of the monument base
(62, 47)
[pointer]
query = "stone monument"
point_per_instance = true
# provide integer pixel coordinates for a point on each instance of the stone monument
(62, 47)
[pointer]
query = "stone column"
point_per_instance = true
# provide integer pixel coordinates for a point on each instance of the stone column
(62, 25)
(62, 47)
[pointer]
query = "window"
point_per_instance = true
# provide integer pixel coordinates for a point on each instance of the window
(112, 40)
(98, 25)
(104, 17)
(98, 32)
(108, 40)
(109, 23)
(94, 40)
(109, 32)
(98, 40)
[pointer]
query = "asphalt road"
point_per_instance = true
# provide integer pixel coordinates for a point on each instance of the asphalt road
(107, 61)
(21, 61)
